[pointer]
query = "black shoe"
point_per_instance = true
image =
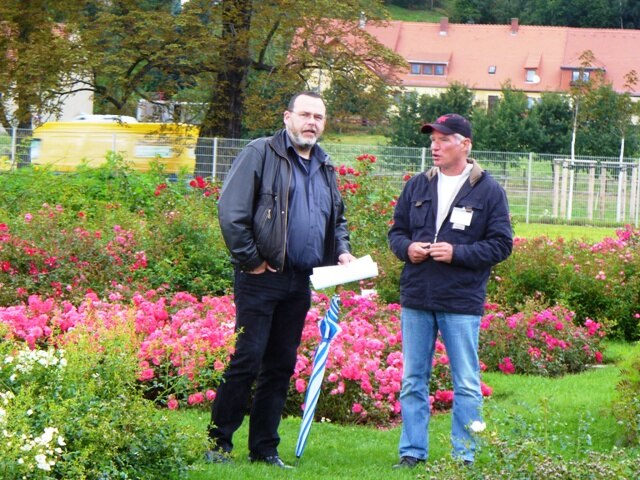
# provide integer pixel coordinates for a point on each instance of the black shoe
(273, 460)
(408, 462)
(217, 456)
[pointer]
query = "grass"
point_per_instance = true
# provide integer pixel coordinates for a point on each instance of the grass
(567, 416)
(568, 232)
(407, 15)
(356, 139)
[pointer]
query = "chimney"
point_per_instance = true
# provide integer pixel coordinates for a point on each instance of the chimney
(514, 26)
(444, 26)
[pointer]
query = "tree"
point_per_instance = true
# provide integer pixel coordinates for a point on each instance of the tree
(37, 52)
(507, 127)
(347, 102)
(412, 4)
(235, 57)
(413, 110)
(552, 118)
(602, 117)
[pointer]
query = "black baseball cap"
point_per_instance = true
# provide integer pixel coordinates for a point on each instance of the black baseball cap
(449, 124)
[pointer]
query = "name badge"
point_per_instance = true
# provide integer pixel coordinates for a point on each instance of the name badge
(461, 217)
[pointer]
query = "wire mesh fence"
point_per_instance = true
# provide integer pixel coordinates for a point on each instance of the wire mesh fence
(541, 188)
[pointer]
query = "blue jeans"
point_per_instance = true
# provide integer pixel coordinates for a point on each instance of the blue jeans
(460, 336)
(270, 313)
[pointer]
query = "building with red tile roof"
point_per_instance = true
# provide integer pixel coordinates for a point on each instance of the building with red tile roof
(534, 59)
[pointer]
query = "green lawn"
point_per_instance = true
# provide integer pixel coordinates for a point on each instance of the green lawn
(568, 232)
(406, 15)
(566, 416)
(355, 139)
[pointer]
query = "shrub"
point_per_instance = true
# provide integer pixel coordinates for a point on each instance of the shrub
(181, 344)
(539, 341)
(51, 254)
(75, 412)
(364, 367)
(369, 200)
(170, 240)
(599, 281)
(626, 406)
(183, 244)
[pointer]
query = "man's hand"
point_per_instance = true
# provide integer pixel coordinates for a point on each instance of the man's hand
(419, 251)
(345, 258)
(442, 252)
(264, 266)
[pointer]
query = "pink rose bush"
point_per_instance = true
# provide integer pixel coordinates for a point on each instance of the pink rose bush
(539, 341)
(597, 281)
(182, 344)
(363, 376)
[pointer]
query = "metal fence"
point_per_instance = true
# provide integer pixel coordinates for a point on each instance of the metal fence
(541, 188)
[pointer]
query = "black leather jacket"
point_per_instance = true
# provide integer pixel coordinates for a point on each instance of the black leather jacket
(253, 206)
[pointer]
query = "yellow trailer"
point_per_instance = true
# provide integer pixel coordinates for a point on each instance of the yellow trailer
(63, 146)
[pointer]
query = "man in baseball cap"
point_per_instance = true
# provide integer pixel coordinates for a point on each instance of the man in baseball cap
(451, 225)
(449, 124)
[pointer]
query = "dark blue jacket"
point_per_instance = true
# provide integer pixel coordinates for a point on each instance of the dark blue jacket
(459, 286)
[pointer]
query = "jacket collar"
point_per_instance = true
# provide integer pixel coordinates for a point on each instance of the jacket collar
(279, 142)
(474, 175)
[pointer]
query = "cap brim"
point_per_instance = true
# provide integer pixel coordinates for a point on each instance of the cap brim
(430, 127)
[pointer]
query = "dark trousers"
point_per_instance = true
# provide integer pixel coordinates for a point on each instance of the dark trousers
(270, 313)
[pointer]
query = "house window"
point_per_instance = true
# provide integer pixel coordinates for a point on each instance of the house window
(428, 68)
(531, 75)
(579, 75)
(492, 69)
(492, 101)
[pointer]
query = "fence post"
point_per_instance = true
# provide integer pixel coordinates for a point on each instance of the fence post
(633, 206)
(622, 193)
(556, 187)
(423, 159)
(529, 173)
(591, 191)
(14, 143)
(572, 180)
(214, 159)
(563, 189)
(637, 196)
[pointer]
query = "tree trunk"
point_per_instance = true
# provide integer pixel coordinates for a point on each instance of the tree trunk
(226, 106)
(224, 115)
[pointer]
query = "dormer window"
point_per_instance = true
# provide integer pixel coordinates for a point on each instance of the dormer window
(492, 69)
(577, 75)
(428, 68)
(531, 75)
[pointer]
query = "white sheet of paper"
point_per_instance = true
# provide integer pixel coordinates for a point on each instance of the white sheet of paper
(359, 269)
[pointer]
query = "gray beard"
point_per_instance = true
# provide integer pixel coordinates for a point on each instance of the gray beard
(300, 142)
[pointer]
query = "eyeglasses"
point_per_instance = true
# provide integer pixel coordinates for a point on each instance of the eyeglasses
(308, 116)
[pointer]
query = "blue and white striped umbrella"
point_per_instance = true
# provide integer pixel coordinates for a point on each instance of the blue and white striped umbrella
(329, 328)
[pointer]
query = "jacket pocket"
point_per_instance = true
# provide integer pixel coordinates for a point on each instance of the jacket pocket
(477, 225)
(420, 208)
(266, 232)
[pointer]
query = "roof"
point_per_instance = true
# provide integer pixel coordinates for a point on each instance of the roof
(470, 50)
